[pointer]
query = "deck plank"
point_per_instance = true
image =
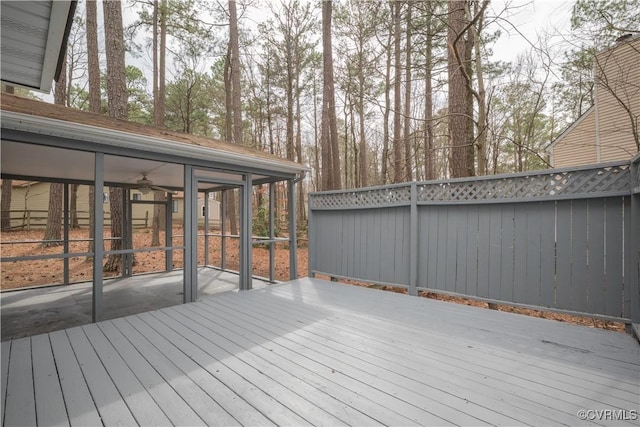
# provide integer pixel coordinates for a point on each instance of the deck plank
(81, 409)
(280, 371)
(449, 376)
(436, 392)
(206, 408)
(166, 398)
(140, 403)
(4, 375)
(317, 352)
(21, 408)
(50, 407)
(111, 406)
(341, 387)
(283, 404)
(226, 396)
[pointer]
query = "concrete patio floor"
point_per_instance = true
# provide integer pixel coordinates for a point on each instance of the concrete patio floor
(40, 310)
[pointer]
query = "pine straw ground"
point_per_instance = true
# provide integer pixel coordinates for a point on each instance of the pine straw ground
(25, 274)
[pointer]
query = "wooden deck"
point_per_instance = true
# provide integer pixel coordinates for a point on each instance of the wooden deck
(312, 352)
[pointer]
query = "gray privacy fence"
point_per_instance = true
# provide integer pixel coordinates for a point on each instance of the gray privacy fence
(561, 239)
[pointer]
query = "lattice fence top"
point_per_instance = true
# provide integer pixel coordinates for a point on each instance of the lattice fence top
(550, 184)
(377, 197)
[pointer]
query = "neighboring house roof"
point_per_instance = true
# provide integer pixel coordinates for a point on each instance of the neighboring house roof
(34, 41)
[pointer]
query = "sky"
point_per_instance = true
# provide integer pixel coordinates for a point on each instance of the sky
(530, 19)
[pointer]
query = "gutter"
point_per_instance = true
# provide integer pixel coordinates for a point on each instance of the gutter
(131, 141)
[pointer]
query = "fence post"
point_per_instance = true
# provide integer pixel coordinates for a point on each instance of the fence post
(632, 248)
(413, 241)
(310, 239)
(65, 228)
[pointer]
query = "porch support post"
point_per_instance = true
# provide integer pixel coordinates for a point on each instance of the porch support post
(223, 228)
(127, 232)
(272, 231)
(293, 238)
(98, 238)
(65, 228)
(413, 241)
(168, 232)
(246, 236)
(206, 228)
(190, 237)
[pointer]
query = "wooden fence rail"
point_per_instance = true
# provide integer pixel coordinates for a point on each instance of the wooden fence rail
(33, 218)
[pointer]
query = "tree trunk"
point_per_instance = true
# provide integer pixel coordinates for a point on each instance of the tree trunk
(398, 175)
(117, 96)
(234, 48)
(329, 138)
(53, 231)
(93, 69)
(429, 153)
(407, 100)
(481, 141)
(457, 90)
(73, 207)
(159, 221)
(5, 221)
(387, 111)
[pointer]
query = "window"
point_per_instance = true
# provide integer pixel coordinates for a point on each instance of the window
(174, 207)
(136, 196)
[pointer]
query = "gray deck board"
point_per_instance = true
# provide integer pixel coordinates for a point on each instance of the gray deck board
(20, 404)
(110, 404)
(50, 407)
(4, 375)
(313, 352)
(81, 409)
(176, 409)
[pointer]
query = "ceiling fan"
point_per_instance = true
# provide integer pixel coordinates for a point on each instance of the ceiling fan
(145, 186)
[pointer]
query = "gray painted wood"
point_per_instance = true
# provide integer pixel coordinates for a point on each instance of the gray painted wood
(564, 232)
(367, 347)
(452, 227)
(50, 407)
(495, 251)
(349, 407)
(484, 250)
(20, 407)
(614, 232)
(596, 274)
(507, 259)
(547, 254)
(174, 407)
(220, 392)
(250, 392)
(4, 374)
(140, 403)
(112, 408)
(198, 400)
(80, 406)
(532, 277)
(461, 252)
(579, 248)
(520, 251)
(317, 352)
(472, 251)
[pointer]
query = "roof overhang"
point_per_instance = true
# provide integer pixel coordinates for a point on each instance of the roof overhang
(36, 147)
(33, 42)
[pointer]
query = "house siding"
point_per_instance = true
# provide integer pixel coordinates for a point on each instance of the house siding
(605, 133)
(578, 147)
